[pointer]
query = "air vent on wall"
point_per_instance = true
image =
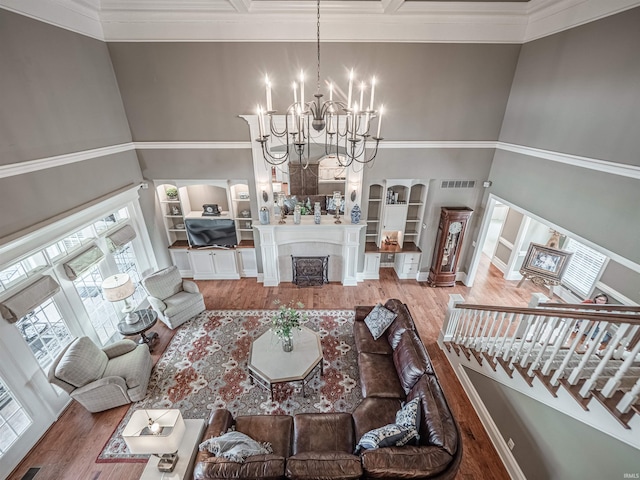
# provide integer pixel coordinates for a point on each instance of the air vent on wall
(458, 184)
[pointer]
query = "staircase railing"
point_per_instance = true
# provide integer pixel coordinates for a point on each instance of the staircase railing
(590, 351)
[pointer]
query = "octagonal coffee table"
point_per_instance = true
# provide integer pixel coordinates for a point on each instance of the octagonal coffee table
(270, 364)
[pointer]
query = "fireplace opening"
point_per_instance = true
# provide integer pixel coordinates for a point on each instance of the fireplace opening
(310, 271)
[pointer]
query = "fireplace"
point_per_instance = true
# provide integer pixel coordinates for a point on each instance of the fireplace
(310, 271)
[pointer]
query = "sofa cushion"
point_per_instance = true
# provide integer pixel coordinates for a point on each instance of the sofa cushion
(378, 376)
(132, 366)
(164, 283)
(405, 462)
(324, 465)
(378, 320)
(411, 360)
(374, 412)
(323, 432)
(365, 342)
(437, 425)
(179, 302)
(256, 467)
(362, 311)
(82, 363)
(403, 321)
(392, 435)
(275, 429)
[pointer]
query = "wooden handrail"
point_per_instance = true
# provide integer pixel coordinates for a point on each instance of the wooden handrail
(564, 313)
(592, 306)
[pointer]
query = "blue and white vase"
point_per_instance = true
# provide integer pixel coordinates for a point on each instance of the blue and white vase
(356, 213)
(264, 216)
(317, 213)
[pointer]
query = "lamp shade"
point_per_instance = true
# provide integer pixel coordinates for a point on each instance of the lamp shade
(118, 287)
(140, 438)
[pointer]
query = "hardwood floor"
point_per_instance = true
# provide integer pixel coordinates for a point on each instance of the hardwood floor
(70, 447)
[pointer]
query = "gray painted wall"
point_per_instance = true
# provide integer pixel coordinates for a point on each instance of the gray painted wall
(550, 445)
(58, 92)
(577, 91)
(194, 91)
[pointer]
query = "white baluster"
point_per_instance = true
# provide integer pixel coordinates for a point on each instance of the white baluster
(535, 336)
(591, 381)
(567, 358)
(565, 332)
(620, 349)
(547, 334)
(510, 338)
(499, 334)
(613, 383)
(630, 398)
(528, 325)
(576, 373)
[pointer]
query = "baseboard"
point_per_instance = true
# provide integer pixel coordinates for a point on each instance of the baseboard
(500, 445)
(422, 276)
(499, 264)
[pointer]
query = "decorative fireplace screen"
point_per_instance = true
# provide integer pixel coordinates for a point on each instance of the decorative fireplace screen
(310, 271)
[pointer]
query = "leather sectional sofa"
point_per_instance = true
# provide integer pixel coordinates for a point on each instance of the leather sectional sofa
(393, 369)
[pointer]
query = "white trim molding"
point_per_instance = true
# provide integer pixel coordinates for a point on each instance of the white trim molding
(191, 145)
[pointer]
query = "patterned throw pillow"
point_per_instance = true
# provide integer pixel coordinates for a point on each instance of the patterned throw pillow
(409, 414)
(391, 435)
(379, 320)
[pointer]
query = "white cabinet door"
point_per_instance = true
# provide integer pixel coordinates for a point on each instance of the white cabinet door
(371, 266)
(202, 265)
(407, 265)
(224, 264)
(247, 262)
(395, 217)
(180, 257)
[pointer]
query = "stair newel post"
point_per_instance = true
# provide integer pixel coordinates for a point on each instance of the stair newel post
(629, 398)
(567, 358)
(451, 321)
(560, 340)
(576, 374)
(591, 381)
(613, 383)
(536, 299)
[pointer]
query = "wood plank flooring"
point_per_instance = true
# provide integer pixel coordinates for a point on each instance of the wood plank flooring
(70, 447)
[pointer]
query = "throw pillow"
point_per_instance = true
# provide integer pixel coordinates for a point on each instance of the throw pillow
(379, 320)
(388, 436)
(235, 446)
(409, 414)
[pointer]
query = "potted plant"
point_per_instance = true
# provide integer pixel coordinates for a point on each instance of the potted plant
(172, 193)
(285, 320)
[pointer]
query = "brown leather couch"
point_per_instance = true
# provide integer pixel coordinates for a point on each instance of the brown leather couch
(393, 369)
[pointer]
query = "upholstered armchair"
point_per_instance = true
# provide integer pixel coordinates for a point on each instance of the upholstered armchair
(174, 299)
(105, 378)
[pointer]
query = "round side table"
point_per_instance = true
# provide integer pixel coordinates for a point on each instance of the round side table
(147, 319)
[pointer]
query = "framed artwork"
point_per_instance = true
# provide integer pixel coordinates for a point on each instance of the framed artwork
(545, 262)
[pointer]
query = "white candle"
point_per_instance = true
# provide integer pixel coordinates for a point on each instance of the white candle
(260, 121)
(379, 121)
(373, 89)
(353, 120)
(268, 87)
(331, 91)
(295, 93)
(362, 86)
(302, 88)
(350, 89)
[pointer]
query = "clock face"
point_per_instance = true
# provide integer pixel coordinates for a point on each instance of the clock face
(455, 227)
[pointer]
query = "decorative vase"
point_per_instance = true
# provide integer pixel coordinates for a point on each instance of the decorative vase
(317, 213)
(264, 216)
(297, 214)
(287, 343)
(355, 214)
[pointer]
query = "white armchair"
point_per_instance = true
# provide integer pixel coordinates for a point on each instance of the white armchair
(174, 299)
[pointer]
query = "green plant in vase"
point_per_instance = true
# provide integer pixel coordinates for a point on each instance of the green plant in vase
(287, 318)
(172, 193)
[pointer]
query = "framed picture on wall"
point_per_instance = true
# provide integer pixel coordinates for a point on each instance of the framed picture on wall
(545, 262)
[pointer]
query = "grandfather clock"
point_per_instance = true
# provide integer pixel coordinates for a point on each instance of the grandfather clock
(444, 264)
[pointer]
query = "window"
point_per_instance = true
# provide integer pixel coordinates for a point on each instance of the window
(584, 267)
(109, 221)
(101, 312)
(21, 270)
(70, 243)
(45, 332)
(126, 261)
(14, 421)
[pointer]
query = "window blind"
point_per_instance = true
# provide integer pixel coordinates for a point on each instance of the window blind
(83, 262)
(584, 267)
(121, 237)
(27, 299)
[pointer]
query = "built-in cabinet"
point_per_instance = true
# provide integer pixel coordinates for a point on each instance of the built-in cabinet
(407, 265)
(184, 199)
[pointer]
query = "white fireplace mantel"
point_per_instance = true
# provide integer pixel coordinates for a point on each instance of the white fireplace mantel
(345, 235)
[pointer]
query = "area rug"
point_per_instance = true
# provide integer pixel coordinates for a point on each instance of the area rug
(205, 367)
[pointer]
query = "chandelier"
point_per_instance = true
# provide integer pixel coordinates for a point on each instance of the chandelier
(346, 126)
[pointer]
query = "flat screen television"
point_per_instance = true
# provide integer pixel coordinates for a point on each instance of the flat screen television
(209, 232)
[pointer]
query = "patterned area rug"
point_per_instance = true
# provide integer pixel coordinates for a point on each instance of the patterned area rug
(205, 367)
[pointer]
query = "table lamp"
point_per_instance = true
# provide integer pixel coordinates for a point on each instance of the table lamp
(156, 432)
(117, 288)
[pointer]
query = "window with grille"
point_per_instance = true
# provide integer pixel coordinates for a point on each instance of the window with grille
(45, 332)
(125, 259)
(21, 270)
(14, 420)
(584, 267)
(101, 312)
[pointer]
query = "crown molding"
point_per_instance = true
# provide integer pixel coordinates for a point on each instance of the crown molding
(294, 20)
